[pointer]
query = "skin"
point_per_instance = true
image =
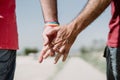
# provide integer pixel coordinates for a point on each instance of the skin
(49, 9)
(67, 34)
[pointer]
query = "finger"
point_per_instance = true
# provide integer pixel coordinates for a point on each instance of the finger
(65, 57)
(57, 40)
(48, 53)
(52, 53)
(46, 39)
(42, 53)
(58, 44)
(64, 52)
(41, 59)
(57, 47)
(53, 30)
(62, 49)
(57, 57)
(41, 56)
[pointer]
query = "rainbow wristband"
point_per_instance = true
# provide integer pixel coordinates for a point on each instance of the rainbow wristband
(53, 23)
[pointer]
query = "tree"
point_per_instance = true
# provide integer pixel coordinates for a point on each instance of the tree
(27, 51)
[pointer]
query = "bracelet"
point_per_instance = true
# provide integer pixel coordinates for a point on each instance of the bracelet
(53, 23)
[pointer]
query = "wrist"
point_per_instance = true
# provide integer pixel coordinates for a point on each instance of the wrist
(74, 27)
(51, 23)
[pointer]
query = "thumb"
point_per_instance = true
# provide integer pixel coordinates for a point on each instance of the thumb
(53, 31)
(50, 32)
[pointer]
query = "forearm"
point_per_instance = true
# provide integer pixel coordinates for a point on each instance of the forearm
(91, 11)
(49, 8)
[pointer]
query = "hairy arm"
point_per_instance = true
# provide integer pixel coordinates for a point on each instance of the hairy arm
(49, 8)
(91, 11)
(69, 32)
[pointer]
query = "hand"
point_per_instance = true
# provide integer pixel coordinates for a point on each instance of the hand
(64, 40)
(49, 34)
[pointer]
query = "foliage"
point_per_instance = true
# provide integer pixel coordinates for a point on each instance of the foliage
(93, 54)
(27, 51)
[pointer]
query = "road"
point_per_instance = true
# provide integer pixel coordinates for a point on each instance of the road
(28, 68)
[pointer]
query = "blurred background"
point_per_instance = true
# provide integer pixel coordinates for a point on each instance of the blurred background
(85, 60)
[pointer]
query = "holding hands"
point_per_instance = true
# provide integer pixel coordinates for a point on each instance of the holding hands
(57, 41)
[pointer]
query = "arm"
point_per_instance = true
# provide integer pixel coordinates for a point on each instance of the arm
(70, 31)
(91, 11)
(49, 8)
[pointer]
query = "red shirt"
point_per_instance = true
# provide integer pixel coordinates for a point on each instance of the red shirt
(114, 34)
(8, 27)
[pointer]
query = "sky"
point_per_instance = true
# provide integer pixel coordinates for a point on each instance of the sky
(30, 23)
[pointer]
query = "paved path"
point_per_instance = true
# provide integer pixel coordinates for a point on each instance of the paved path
(75, 69)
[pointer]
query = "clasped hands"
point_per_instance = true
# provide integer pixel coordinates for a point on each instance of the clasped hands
(57, 42)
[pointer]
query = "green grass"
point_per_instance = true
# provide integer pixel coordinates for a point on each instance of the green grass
(96, 60)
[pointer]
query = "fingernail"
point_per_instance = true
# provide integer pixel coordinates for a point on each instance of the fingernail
(40, 60)
(55, 62)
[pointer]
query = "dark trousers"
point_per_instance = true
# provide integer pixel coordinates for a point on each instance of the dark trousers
(113, 63)
(7, 64)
